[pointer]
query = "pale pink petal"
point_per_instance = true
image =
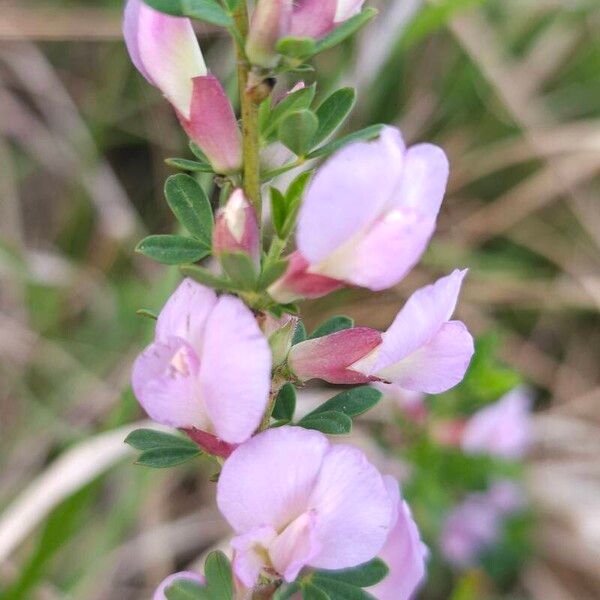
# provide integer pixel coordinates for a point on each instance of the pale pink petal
(270, 22)
(385, 254)
(297, 282)
(348, 194)
(131, 22)
(295, 547)
(438, 365)
(405, 555)
(420, 319)
(235, 370)
(185, 314)
(329, 357)
(312, 18)
(212, 124)
(353, 508)
(501, 429)
(423, 182)
(269, 479)
(164, 381)
(347, 9)
(166, 51)
(250, 553)
(171, 579)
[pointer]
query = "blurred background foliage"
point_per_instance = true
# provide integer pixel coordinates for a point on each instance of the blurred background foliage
(511, 90)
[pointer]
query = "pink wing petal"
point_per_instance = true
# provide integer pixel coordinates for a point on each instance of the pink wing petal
(423, 182)
(353, 508)
(164, 381)
(248, 493)
(438, 365)
(312, 18)
(131, 21)
(348, 194)
(235, 370)
(185, 314)
(420, 319)
(168, 52)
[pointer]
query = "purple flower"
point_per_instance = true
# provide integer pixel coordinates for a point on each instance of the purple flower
(368, 215)
(209, 367)
(295, 500)
(502, 429)
(165, 51)
(422, 351)
(171, 579)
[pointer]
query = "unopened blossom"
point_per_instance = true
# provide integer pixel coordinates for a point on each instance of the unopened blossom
(171, 579)
(367, 217)
(502, 429)
(405, 555)
(296, 500)
(273, 20)
(476, 523)
(208, 369)
(236, 228)
(422, 351)
(165, 51)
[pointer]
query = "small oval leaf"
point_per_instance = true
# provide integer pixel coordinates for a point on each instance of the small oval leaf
(172, 249)
(330, 422)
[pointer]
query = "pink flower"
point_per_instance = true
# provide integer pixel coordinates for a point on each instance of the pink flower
(166, 52)
(405, 555)
(236, 228)
(171, 579)
(422, 351)
(276, 19)
(208, 369)
(367, 217)
(476, 523)
(295, 500)
(502, 429)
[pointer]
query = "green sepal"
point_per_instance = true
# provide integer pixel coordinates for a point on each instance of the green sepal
(240, 269)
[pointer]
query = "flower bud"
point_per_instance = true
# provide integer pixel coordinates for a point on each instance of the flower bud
(236, 228)
(270, 22)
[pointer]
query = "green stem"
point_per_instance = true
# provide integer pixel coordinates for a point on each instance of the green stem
(250, 131)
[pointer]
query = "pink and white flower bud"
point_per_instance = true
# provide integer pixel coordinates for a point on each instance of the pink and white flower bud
(236, 228)
(208, 370)
(295, 500)
(501, 429)
(364, 226)
(270, 22)
(166, 52)
(171, 579)
(422, 351)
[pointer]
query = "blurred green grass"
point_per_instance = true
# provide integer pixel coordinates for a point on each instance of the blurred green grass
(510, 88)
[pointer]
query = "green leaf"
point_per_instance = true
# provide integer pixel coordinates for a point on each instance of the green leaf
(337, 323)
(191, 206)
(286, 592)
(145, 312)
(353, 402)
(206, 277)
(296, 47)
(285, 404)
(149, 439)
(346, 29)
(278, 211)
(173, 249)
(163, 458)
(368, 133)
(300, 334)
(312, 592)
(333, 112)
(189, 165)
(219, 580)
(365, 575)
(297, 130)
(231, 4)
(271, 273)
(240, 268)
(330, 422)
(206, 10)
(299, 100)
(293, 198)
(185, 589)
(339, 590)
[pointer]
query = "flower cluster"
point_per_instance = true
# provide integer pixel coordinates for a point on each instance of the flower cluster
(230, 349)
